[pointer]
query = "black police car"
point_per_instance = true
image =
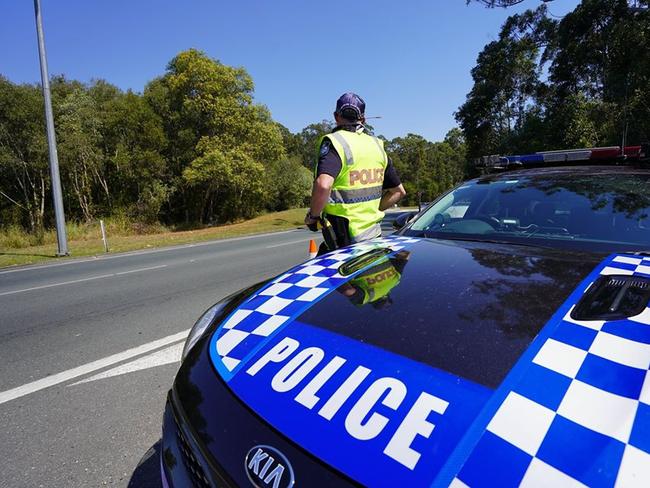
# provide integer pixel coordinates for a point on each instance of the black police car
(501, 338)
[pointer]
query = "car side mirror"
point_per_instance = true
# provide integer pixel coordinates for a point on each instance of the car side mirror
(403, 219)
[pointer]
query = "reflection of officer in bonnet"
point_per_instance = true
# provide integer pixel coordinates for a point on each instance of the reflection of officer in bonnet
(374, 285)
(355, 180)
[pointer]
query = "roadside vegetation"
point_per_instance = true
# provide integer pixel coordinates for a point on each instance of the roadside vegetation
(194, 150)
(18, 247)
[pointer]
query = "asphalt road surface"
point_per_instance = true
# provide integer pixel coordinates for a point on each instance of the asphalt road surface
(89, 349)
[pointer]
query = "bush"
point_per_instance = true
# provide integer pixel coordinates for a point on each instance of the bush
(15, 237)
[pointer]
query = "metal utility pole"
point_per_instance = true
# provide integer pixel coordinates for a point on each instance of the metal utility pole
(51, 138)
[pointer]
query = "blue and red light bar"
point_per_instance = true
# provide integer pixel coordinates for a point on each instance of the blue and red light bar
(595, 154)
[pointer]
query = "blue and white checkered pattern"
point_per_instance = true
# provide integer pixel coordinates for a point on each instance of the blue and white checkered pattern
(287, 296)
(580, 413)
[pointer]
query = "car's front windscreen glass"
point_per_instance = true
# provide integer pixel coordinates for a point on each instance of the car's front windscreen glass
(600, 211)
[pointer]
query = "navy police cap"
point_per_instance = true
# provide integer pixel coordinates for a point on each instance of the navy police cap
(349, 104)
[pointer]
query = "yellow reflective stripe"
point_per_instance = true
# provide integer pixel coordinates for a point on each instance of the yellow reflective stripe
(346, 147)
(381, 149)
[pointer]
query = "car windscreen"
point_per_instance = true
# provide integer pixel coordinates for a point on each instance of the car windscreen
(601, 212)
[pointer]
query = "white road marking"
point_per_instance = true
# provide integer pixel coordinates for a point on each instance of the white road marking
(143, 251)
(70, 374)
(168, 355)
(13, 292)
(56, 284)
(140, 269)
(286, 243)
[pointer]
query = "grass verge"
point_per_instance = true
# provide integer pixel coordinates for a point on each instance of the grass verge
(88, 246)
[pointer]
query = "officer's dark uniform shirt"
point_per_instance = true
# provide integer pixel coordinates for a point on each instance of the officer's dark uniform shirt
(329, 163)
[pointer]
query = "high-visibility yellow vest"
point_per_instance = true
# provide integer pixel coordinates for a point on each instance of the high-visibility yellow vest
(377, 282)
(357, 189)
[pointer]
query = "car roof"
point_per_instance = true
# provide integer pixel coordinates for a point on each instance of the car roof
(565, 170)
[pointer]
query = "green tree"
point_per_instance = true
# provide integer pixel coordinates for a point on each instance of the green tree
(580, 82)
(24, 178)
(195, 147)
(601, 73)
(208, 112)
(293, 144)
(289, 183)
(426, 168)
(407, 154)
(132, 141)
(80, 156)
(507, 85)
(309, 139)
(230, 181)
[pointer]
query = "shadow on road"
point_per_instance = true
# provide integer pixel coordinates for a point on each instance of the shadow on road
(147, 472)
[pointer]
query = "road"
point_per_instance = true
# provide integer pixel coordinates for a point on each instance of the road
(89, 349)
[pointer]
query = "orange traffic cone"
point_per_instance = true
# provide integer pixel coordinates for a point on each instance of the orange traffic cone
(313, 250)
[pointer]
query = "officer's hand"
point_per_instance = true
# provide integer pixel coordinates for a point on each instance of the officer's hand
(312, 224)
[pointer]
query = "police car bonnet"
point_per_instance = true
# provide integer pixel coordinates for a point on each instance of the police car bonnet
(432, 393)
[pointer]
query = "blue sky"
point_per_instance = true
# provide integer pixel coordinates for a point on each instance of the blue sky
(410, 61)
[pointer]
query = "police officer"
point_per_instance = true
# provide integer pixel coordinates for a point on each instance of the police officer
(355, 180)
